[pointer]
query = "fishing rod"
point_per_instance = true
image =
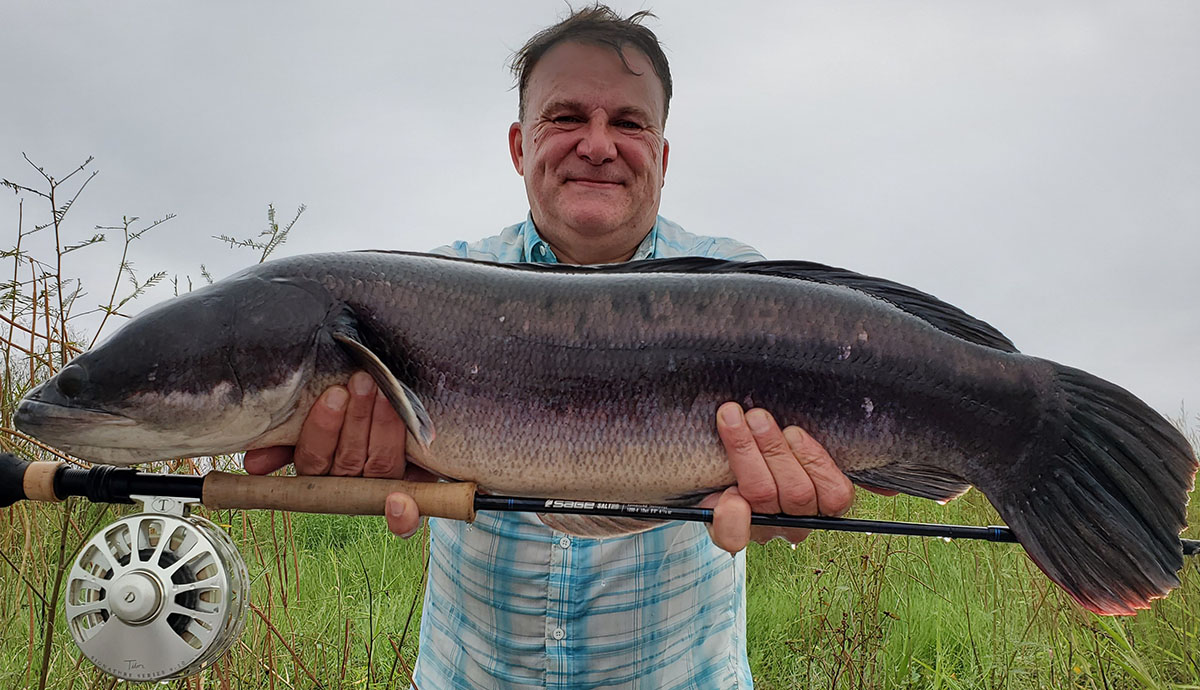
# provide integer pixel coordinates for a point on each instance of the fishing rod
(49, 481)
(163, 593)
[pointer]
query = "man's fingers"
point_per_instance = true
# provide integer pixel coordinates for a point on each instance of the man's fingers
(794, 491)
(385, 451)
(730, 528)
(403, 517)
(267, 460)
(356, 431)
(319, 435)
(755, 482)
(834, 492)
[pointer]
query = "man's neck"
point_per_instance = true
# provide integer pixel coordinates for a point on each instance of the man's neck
(575, 248)
(592, 254)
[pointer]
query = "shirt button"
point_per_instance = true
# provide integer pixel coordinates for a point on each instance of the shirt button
(564, 543)
(542, 249)
(559, 633)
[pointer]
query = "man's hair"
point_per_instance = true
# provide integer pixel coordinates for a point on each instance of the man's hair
(597, 25)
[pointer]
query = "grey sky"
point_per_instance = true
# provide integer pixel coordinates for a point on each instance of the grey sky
(1037, 164)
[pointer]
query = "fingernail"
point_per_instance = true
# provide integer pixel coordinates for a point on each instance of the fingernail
(794, 436)
(395, 507)
(336, 398)
(361, 383)
(731, 415)
(758, 420)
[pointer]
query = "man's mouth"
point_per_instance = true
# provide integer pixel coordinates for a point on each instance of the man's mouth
(598, 184)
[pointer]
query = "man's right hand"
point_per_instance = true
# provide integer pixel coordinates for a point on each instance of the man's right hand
(351, 431)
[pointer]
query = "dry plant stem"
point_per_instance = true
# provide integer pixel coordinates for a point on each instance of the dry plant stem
(29, 652)
(110, 309)
(279, 566)
(46, 315)
(51, 610)
(11, 319)
(407, 669)
(345, 651)
(270, 671)
(33, 304)
(295, 657)
(270, 641)
(295, 554)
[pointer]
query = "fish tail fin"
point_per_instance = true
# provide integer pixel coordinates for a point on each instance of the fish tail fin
(1102, 499)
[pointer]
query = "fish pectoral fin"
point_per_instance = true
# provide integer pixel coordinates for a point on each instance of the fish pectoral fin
(403, 399)
(596, 526)
(924, 481)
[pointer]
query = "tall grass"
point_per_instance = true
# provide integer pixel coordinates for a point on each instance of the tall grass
(336, 600)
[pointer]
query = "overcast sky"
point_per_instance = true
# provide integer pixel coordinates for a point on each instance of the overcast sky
(1035, 163)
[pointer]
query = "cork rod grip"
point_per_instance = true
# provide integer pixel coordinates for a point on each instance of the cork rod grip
(337, 495)
(39, 481)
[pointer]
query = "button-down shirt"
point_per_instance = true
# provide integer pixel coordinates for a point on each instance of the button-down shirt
(511, 603)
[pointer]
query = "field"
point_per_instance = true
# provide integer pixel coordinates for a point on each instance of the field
(336, 601)
(334, 597)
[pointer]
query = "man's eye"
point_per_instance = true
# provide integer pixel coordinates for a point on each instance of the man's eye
(566, 119)
(628, 124)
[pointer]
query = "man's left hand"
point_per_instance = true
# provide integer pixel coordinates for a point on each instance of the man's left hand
(778, 471)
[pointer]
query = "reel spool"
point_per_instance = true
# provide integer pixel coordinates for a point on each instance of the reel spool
(157, 595)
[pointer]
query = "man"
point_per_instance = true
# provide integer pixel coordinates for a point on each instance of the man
(511, 603)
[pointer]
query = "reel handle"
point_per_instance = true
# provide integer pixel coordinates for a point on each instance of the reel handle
(336, 495)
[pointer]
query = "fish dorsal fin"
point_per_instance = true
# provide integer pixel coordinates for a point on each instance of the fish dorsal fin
(937, 313)
(403, 400)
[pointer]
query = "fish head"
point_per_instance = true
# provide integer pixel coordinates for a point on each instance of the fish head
(206, 373)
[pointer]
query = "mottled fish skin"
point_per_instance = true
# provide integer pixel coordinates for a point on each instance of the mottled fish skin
(608, 384)
(603, 384)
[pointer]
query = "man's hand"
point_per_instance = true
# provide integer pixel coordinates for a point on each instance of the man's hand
(778, 471)
(351, 431)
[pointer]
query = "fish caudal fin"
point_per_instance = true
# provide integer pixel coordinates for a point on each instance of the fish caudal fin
(1101, 499)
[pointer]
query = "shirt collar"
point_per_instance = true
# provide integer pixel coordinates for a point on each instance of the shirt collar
(539, 251)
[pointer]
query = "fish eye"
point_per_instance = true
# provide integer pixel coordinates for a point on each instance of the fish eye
(71, 380)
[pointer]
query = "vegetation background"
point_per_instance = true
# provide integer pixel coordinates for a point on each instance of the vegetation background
(336, 600)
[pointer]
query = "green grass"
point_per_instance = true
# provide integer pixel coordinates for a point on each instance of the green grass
(333, 598)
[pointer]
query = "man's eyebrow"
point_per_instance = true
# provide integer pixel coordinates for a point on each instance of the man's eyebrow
(576, 106)
(561, 105)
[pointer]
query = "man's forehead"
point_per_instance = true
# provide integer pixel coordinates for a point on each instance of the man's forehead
(574, 63)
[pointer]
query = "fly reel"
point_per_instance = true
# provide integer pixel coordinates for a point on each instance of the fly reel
(157, 595)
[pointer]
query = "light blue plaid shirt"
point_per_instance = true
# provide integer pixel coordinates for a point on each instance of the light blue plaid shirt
(511, 603)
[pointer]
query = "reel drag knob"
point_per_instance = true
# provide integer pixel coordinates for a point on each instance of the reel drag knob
(156, 596)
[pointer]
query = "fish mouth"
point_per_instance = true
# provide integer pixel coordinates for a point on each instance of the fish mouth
(44, 419)
(94, 435)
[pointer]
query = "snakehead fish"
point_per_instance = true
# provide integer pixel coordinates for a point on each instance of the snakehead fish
(602, 382)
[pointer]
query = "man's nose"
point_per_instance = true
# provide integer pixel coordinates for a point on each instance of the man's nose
(597, 144)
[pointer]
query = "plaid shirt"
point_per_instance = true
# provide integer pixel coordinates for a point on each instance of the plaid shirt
(511, 603)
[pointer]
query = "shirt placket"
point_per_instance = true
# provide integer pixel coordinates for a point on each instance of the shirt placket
(559, 614)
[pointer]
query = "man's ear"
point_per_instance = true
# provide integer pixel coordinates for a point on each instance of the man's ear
(515, 140)
(666, 155)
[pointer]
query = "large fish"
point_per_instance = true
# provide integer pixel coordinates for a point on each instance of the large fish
(574, 382)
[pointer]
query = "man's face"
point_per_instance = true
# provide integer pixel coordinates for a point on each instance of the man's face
(591, 150)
